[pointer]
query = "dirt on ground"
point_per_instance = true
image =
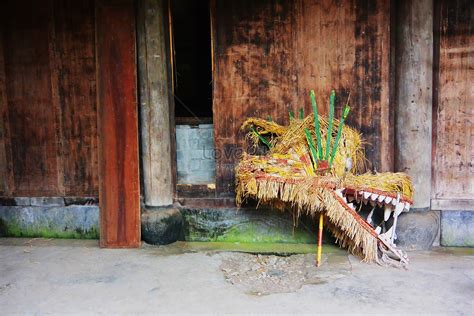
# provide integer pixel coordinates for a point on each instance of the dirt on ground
(268, 274)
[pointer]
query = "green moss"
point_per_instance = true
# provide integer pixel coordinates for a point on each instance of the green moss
(245, 226)
(14, 230)
(251, 233)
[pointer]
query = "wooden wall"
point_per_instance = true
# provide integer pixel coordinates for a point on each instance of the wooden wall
(269, 54)
(48, 119)
(453, 168)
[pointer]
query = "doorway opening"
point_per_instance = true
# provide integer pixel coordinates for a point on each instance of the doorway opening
(192, 80)
(192, 61)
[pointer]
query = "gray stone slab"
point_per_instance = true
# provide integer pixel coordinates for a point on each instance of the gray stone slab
(47, 201)
(22, 201)
(417, 230)
(457, 228)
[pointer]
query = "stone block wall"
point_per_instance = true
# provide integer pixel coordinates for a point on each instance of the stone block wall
(49, 217)
(457, 228)
(195, 154)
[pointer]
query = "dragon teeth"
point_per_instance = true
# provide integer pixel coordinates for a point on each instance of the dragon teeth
(387, 211)
(369, 217)
(374, 196)
(378, 229)
(407, 207)
(381, 198)
(394, 202)
(388, 199)
(367, 195)
(399, 208)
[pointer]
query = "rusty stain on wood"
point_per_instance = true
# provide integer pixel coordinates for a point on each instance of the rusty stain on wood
(269, 54)
(119, 185)
(454, 142)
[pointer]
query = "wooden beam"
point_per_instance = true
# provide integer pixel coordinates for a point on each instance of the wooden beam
(153, 58)
(452, 204)
(414, 73)
(119, 185)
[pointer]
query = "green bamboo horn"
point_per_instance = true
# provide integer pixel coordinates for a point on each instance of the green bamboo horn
(330, 122)
(311, 147)
(316, 124)
(262, 139)
(339, 132)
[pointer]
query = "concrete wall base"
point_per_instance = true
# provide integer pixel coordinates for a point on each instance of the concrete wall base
(74, 221)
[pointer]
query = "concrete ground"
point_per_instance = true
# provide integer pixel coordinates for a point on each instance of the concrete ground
(74, 276)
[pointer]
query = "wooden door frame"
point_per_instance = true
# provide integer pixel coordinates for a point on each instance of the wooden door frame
(119, 179)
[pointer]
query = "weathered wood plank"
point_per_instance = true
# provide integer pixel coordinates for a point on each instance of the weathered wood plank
(31, 117)
(75, 51)
(6, 170)
(119, 184)
(48, 143)
(454, 146)
(414, 73)
(155, 103)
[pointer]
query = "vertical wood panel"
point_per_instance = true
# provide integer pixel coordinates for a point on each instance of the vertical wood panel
(454, 152)
(117, 124)
(48, 128)
(31, 114)
(269, 54)
(6, 170)
(75, 51)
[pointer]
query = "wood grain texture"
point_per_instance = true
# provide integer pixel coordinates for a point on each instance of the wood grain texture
(6, 169)
(269, 54)
(454, 142)
(48, 93)
(119, 185)
(31, 116)
(155, 126)
(75, 49)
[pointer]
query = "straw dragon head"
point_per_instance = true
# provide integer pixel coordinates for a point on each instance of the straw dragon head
(361, 209)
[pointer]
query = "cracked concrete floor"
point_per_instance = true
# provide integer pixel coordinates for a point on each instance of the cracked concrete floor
(73, 276)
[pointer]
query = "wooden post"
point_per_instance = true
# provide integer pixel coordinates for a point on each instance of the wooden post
(414, 62)
(119, 185)
(156, 133)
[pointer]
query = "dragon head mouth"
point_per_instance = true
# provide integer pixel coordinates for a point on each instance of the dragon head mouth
(380, 211)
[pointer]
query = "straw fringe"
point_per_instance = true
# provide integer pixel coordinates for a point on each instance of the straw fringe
(307, 197)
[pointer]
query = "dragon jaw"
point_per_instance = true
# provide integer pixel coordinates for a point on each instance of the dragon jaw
(380, 212)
